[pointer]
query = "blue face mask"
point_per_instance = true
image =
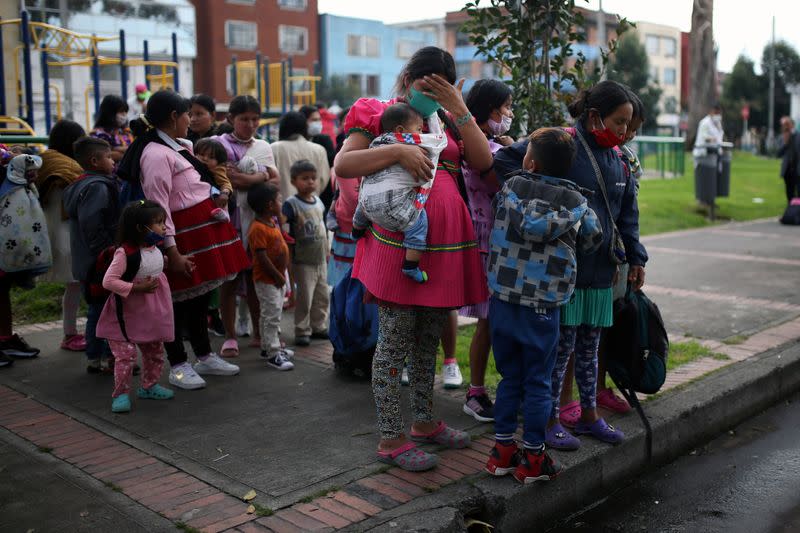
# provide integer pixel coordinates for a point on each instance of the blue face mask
(425, 105)
(153, 239)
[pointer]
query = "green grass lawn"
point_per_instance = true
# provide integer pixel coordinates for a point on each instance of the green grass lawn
(669, 204)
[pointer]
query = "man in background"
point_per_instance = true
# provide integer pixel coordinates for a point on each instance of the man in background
(789, 152)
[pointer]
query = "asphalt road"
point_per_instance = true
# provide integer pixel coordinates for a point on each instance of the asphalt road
(746, 480)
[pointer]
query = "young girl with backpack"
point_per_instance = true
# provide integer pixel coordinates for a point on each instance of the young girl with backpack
(139, 310)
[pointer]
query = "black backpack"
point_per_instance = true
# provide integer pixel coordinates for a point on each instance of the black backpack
(791, 217)
(636, 349)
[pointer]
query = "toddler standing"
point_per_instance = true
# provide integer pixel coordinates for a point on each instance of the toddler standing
(139, 310)
(270, 259)
(305, 215)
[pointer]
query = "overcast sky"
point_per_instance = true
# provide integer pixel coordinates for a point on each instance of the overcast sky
(740, 26)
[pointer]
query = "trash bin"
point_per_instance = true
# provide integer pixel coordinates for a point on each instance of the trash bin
(705, 176)
(724, 176)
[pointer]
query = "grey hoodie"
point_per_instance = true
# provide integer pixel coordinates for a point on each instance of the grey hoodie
(92, 204)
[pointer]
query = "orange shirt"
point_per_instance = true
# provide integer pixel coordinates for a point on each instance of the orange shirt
(263, 237)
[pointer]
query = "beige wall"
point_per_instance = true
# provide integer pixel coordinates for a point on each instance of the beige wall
(9, 10)
(661, 59)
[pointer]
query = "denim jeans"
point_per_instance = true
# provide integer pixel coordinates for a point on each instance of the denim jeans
(525, 344)
(416, 236)
(95, 348)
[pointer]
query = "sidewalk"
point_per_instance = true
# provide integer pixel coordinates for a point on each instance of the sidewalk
(304, 440)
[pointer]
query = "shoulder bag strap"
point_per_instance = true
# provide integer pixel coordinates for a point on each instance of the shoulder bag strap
(597, 174)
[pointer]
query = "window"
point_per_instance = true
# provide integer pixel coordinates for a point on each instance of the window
(462, 39)
(373, 85)
(406, 49)
(463, 69)
(669, 76)
(654, 74)
(293, 39)
(363, 46)
(651, 44)
(294, 5)
(354, 80)
(241, 35)
(669, 46)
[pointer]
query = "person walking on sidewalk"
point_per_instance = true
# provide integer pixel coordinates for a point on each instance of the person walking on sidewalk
(203, 251)
(139, 310)
(540, 218)
(412, 315)
(789, 152)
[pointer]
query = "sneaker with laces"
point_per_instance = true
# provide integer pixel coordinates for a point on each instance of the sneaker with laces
(503, 459)
(183, 376)
(536, 467)
(279, 362)
(214, 365)
(285, 352)
(479, 407)
(451, 376)
(5, 360)
(15, 346)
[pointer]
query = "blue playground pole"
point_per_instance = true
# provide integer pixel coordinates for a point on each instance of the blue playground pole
(2, 74)
(175, 80)
(291, 86)
(26, 57)
(96, 82)
(48, 122)
(234, 81)
(146, 57)
(258, 79)
(123, 70)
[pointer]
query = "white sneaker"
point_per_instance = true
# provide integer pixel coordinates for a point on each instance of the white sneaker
(451, 376)
(215, 366)
(279, 361)
(183, 376)
(404, 377)
(287, 353)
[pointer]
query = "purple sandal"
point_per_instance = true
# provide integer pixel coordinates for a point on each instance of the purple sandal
(409, 457)
(601, 431)
(559, 438)
(444, 435)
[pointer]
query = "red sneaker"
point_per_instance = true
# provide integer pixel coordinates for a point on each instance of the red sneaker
(537, 467)
(503, 459)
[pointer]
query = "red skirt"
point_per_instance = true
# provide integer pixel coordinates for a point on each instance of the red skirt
(214, 247)
(452, 259)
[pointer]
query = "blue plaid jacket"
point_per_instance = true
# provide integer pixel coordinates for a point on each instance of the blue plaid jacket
(539, 221)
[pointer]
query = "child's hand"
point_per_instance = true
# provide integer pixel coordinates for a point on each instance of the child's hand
(147, 284)
(221, 201)
(182, 265)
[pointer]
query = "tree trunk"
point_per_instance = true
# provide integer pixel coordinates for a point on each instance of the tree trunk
(703, 68)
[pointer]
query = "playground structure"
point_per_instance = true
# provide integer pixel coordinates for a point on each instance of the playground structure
(274, 85)
(60, 47)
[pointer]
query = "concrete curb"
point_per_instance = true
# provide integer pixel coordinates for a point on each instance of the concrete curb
(681, 419)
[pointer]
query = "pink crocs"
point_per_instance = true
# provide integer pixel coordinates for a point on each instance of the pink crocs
(570, 414)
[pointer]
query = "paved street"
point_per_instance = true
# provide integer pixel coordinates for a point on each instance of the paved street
(309, 434)
(744, 481)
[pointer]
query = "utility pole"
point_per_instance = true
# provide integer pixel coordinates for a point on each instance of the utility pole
(771, 112)
(601, 33)
(63, 15)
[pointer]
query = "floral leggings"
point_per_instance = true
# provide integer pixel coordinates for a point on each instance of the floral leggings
(405, 335)
(125, 357)
(583, 341)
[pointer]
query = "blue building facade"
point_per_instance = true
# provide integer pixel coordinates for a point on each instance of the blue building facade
(368, 53)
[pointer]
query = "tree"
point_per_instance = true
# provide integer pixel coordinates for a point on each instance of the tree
(532, 41)
(743, 87)
(629, 65)
(787, 71)
(338, 89)
(703, 75)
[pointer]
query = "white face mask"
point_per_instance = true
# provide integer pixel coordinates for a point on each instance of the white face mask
(314, 128)
(500, 128)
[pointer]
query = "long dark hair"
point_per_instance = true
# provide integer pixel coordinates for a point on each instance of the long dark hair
(605, 97)
(63, 136)
(292, 123)
(135, 217)
(486, 96)
(242, 104)
(107, 114)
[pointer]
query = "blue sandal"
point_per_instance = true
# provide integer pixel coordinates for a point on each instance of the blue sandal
(121, 404)
(156, 392)
(601, 431)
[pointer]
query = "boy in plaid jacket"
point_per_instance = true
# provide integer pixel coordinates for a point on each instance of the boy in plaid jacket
(540, 217)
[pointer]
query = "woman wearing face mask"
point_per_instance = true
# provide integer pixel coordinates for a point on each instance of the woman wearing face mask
(603, 115)
(203, 251)
(111, 125)
(489, 101)
(315, 135)
(293, 145)
(412, 315)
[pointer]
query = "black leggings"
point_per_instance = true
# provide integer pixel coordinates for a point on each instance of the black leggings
(792, 187)
(190, 317)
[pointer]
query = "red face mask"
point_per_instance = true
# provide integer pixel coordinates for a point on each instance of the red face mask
(606, 138)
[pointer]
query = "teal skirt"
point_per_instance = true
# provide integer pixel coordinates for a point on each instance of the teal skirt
(590, 307)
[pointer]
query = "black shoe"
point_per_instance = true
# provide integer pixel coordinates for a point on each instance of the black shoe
(479, 407)
(302, 340)
(320, 335)
(5, 360)
(18, 348)
(215, 326)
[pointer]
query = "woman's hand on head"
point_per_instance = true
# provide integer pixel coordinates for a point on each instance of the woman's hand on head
(449, 96)
(414, 159)
(636, 276)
